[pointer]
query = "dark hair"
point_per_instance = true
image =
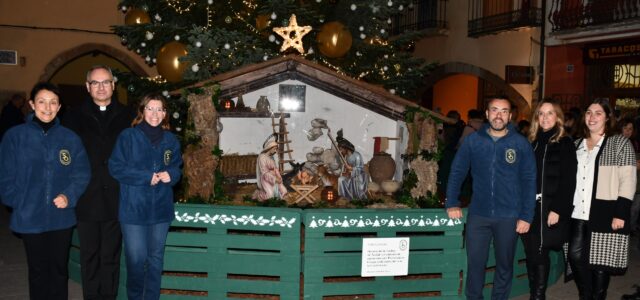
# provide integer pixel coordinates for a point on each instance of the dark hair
(610, 123)
(453, 114)
(143, 103)
(624, 122)
(44, 86)
(474, 114)
(501, 97)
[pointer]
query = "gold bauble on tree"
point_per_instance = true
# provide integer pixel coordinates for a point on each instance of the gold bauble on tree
(168, 63)
(262, 22)
(334, 40)
(136, 16)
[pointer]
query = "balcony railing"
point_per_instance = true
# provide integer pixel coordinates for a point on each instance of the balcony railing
(421, 15)
(572, 14)
(494, 16)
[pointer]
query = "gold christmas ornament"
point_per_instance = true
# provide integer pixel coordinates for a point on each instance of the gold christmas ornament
(292, 35)
(334, 40)
(168, 63)
(262, 22)
(136, 16)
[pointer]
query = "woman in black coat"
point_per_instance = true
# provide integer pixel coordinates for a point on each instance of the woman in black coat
(556, 180)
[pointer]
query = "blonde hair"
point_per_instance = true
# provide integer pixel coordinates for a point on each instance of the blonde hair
(535, 125)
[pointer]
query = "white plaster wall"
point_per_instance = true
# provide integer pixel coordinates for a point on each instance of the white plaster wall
(246, 135)
(40, 47)
(491, 52)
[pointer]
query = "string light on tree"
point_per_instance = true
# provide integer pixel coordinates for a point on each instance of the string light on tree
(181, 6)
(292, 35)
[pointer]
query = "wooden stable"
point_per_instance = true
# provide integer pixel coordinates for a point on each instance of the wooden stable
(360, 108)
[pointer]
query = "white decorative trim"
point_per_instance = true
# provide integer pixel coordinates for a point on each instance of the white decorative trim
(391, 221)
(240, 221)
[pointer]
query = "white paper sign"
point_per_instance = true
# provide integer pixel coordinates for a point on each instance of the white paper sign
(385, 257)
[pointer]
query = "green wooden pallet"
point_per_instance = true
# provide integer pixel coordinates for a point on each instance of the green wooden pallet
(333, 245)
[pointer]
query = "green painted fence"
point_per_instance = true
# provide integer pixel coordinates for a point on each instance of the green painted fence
(230, 252)
(333, 245)
(217, 252)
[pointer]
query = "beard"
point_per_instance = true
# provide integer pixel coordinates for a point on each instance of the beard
(498, 126)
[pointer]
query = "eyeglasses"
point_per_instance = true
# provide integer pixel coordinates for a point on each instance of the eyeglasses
(154, 109)
(95, 83)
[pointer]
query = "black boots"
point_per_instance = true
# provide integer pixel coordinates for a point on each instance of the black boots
(600, 284)
(538, 277)
(592, 285)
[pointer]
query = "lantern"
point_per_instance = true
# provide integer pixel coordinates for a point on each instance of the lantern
(228, 105)
(329, 194)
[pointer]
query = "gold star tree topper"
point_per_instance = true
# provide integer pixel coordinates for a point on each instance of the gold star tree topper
(292, 35)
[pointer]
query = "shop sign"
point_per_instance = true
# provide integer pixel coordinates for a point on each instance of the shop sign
(611, 52)
(519, 74)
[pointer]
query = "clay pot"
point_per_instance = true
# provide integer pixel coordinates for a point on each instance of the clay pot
(263, 104)
(381, 167)
(390, 186)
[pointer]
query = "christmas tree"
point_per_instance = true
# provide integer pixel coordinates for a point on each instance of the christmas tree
(215, 36)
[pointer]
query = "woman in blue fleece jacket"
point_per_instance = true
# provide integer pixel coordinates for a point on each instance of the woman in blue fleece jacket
(43, 171)
(146, 161)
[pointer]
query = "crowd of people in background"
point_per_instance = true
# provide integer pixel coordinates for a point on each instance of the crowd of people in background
(586, 196)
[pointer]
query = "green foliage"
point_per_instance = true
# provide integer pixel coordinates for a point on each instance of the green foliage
(410, 179)
(223, 36)
(404, 194)
(271, 202)
(363, 203)
(410, 113)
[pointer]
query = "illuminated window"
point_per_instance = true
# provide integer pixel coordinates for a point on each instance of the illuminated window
(626, 76)
(292, 97)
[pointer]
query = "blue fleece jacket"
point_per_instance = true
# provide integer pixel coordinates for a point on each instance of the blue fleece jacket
(133, 161)
(36, 167)
(503, 173)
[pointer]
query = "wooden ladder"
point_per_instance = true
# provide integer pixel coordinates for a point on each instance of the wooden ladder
(282, 135)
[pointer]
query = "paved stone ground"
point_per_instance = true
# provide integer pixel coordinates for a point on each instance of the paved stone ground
(618, 286)
(14, 286)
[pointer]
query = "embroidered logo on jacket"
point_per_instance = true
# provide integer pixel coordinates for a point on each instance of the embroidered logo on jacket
(510, 156)
(167, 157)
(65, 157)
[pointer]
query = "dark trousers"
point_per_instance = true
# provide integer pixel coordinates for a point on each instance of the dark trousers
(592, 284)
(480, 231)
(48, 259)
(100, 246)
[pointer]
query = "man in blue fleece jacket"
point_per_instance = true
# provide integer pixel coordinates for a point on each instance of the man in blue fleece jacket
(503, 168)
